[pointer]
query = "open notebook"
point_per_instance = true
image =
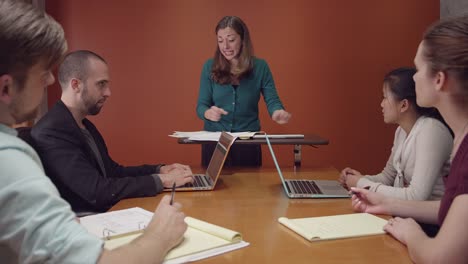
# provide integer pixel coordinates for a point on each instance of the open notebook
(201, 240)
(336, 226)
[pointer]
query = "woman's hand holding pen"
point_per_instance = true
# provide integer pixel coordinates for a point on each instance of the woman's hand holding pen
(281, 117)
(369, 202)
(375, 203)
(214, 113)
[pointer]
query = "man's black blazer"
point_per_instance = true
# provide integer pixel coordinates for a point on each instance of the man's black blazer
(72, 165)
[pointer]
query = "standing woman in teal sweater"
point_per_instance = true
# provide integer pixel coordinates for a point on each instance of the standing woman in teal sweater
(230, 88)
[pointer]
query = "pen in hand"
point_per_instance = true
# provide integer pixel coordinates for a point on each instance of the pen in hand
(172, 193)
(356, 193)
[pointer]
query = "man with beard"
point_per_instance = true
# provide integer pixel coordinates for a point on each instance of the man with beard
(74, 153)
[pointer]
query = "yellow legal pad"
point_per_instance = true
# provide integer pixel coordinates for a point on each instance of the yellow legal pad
(200, 236)
(336, 226)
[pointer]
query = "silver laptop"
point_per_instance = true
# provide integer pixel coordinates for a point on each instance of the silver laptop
(302, 188)
(207, 181)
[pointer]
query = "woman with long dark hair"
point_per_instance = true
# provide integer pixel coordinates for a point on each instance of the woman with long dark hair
(230, 87)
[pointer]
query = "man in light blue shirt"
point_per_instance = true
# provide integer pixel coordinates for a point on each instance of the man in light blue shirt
(36, 224)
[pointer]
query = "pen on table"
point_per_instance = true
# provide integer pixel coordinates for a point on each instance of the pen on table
(172, 194)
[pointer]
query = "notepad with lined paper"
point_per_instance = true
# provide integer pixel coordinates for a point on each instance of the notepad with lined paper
(201, 240)
(336, 226)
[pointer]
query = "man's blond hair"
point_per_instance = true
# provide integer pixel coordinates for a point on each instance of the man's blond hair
(27, 35)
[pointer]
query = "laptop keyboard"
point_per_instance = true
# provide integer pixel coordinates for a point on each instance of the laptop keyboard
(198, 181)
(305, 187)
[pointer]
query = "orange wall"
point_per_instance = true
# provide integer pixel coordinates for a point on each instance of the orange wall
(327, 57)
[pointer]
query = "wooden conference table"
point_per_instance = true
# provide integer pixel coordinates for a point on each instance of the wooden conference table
(251, 201)
(307, 140)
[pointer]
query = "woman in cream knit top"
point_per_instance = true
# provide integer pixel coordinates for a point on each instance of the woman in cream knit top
(421, 149)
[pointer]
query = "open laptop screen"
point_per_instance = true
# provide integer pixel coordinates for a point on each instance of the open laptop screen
(219, 155)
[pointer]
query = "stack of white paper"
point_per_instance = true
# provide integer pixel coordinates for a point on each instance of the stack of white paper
(209, 136)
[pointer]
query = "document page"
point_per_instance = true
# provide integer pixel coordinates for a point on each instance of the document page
(115, 223)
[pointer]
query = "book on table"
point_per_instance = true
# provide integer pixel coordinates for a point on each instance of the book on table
(201, 240)
(336, 226)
